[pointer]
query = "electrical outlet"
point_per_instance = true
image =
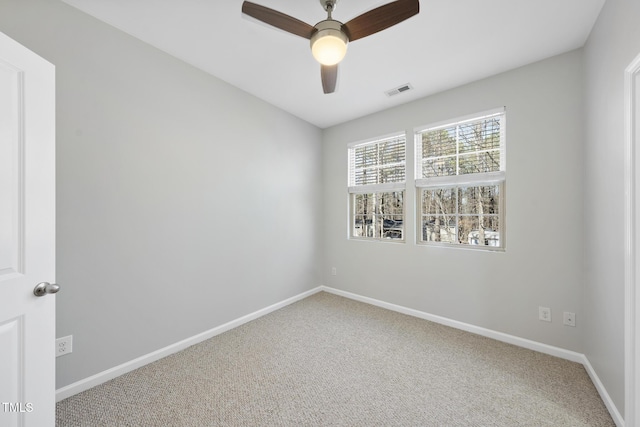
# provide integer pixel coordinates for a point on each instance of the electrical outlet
(544, 313)
(334, 271)
(64, 345)
(569, 318)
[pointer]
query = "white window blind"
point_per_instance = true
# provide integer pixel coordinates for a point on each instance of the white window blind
(378, 165)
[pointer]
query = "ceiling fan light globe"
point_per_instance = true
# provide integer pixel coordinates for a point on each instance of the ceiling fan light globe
(329, 46)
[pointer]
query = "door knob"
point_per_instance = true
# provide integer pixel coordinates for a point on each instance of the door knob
(44, 288)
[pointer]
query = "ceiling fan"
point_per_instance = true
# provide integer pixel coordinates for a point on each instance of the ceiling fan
(329, 38)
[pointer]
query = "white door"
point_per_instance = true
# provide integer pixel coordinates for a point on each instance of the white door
(27, 237)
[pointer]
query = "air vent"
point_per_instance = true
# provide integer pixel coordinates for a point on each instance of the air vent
(404, 88)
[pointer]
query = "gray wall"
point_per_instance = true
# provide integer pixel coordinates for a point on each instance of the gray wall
(542, 264)
(182, 202)
(612, 45)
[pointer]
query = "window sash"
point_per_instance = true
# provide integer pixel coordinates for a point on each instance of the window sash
(376, 168)
(450, 232)
(450, 159)
(378, 223)
(375, 164)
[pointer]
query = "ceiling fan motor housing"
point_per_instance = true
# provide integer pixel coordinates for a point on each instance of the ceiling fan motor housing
(329, 42)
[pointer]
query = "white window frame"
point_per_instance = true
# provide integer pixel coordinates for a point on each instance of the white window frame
(375, 189)
(460, 181)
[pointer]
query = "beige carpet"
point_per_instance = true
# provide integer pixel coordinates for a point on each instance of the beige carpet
(331, 361)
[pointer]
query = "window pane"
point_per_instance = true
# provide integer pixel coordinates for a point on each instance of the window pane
(391, 203)
(444, 166)
(439, 143)
(392, 152)
(476, 230)
(391, 209)
(467, 224)
(378, 215)
(366, 176)
(437, 228)
(363, 226)
(439, 201)
(480, 135)
(479, 200)
(364, 204)
(479, 162)
(392, 227)
(481, 226)
(366, 156)
(394, 173)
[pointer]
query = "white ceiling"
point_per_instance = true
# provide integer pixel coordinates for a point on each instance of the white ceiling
(449, 43)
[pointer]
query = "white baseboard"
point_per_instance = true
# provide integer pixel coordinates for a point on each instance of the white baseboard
(97, 379)
(104, 376)
(499, 336)
(613, 411)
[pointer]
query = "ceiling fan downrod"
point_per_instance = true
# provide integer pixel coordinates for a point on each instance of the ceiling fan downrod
(329, 6)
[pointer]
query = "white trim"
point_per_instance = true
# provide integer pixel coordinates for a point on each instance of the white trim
(632, 295)
(499, 336)
(104, 376)
(377, 188)
(472, 179)
(608, 402)
(377, 139)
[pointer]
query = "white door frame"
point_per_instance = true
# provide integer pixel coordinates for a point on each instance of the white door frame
(632, 243)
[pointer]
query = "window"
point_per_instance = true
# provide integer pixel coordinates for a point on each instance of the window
(460, 181)
(377, 176)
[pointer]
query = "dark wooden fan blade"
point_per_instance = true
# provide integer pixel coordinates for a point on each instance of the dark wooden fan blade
(277, 19)
(329, 74)
(380, 18)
